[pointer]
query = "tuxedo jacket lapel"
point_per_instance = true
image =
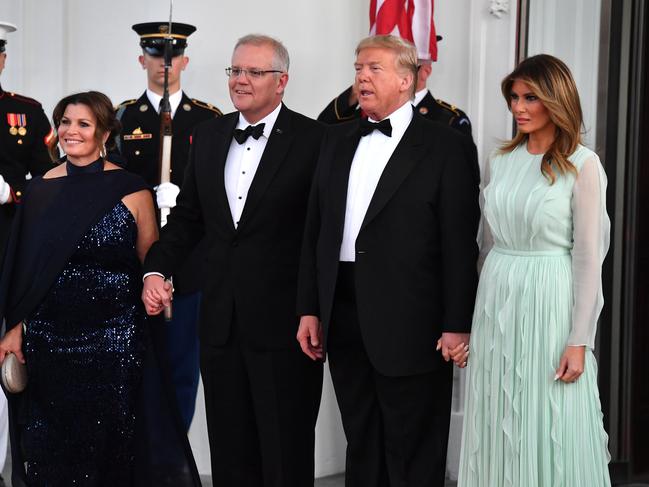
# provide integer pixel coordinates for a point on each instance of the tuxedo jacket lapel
(403, 160)
(342, 163)
(219, 147)
(279, 142)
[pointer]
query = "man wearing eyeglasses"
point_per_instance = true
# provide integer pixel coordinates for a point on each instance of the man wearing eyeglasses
(246, 190)
(139, 145)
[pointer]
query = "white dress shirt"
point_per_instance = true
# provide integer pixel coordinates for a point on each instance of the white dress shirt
(419, 96)
(371, 157)
(242, 163)
(174, 100)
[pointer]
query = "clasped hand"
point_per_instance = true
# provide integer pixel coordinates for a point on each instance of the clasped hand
(455, 347)
(157, 294)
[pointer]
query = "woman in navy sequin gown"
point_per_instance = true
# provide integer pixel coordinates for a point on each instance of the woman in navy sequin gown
(80, 326)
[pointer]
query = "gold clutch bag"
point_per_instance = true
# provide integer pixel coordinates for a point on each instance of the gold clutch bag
(14, 374)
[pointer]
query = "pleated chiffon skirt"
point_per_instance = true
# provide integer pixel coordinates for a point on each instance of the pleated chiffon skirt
(521, 427)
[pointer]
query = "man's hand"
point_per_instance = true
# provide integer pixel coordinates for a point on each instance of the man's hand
(309, 334)
(571, 365)
(156, 294)
(455, 347)
(166, 194)
(12, 342)
(5, 191)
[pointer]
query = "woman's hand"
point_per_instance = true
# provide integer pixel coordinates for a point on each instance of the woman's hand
(157, 293)
(455, 347)
(571, 365)
(12, 342)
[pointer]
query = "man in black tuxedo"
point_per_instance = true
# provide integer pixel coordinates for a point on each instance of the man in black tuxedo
(246, 191)
(388, 272)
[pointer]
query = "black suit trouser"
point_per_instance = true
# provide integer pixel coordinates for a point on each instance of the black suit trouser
(396, 427)
(261, 407)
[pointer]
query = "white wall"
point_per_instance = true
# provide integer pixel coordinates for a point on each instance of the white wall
(69, 45)
(570, 31)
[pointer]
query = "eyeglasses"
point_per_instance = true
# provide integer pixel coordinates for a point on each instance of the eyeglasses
(250, 73)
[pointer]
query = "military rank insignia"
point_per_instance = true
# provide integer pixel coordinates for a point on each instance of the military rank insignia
(17, 123)
(137, 135)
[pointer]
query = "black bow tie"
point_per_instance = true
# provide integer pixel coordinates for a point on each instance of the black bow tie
(255, 130)
(383, 126)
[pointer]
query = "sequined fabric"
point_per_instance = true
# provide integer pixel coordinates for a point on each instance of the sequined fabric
(84, 348)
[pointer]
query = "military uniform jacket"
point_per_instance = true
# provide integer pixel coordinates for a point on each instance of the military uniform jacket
(139, 144)
(24, 134)
(339, 110)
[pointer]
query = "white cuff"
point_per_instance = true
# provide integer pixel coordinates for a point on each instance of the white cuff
(152, 274)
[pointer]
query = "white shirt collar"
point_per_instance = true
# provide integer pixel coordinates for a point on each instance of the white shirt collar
(399, 119)
(419, 96)
(174, 100)
(268, 121)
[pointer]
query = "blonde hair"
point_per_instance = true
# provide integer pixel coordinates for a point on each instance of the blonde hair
(552, 83)
(406, 53)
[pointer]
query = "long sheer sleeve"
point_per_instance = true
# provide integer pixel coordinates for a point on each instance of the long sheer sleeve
(485, 237)
(591, 229)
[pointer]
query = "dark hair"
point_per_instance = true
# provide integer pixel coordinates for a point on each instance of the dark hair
(551, 81)
(100, 106)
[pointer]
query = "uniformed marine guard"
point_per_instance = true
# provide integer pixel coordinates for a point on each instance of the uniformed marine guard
(24, 134)
(345, 106)
(139, 144)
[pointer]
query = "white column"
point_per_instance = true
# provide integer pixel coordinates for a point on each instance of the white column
(570, 31)
(491, 33)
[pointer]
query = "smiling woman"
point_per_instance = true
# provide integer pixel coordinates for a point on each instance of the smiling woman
(85, 123)
(77, 135)
(75, 318)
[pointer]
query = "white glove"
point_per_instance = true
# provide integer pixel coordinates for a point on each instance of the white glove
(166, 194)
(5, 191)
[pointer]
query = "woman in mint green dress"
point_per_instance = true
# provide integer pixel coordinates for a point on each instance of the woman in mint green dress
(533, 416)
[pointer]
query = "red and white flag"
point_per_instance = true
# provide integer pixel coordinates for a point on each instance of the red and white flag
(409, 19)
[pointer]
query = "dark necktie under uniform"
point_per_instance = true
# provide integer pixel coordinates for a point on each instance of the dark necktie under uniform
(367, 127)
(255, 130)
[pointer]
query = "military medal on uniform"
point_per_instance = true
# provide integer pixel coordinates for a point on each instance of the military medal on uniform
(138, 135)
(17, 123)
